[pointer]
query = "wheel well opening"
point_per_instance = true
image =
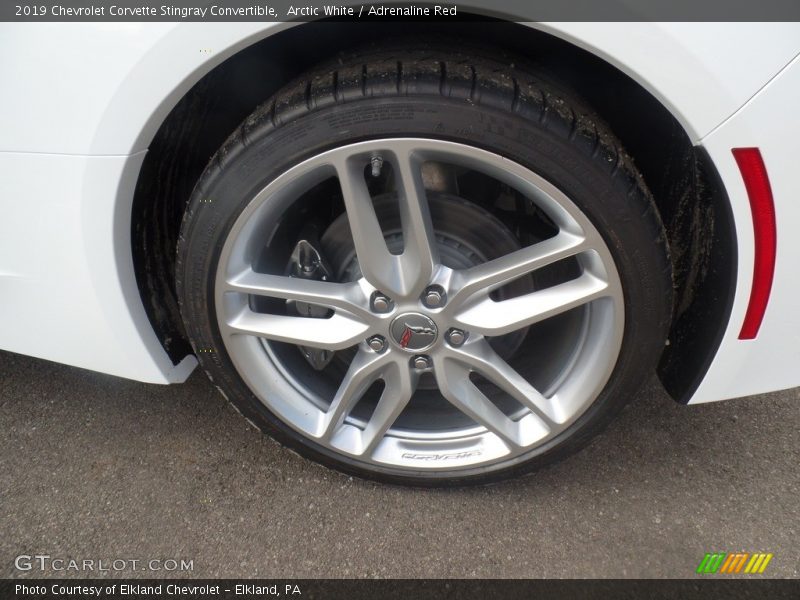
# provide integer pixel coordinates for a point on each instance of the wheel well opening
(691, 201)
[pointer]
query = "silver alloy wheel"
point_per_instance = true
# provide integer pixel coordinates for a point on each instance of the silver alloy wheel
(414, 330)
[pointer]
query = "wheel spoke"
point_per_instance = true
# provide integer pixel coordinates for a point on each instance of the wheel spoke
(344, 296)
(421, 254)
(335, 333)
(456, 386)
(491, 318)
(400, 383)
(362, 373)
(378, 266)
(405, 275)
(482, 358)
(495, 273)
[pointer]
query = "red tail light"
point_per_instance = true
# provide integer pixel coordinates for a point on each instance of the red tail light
(756, 181)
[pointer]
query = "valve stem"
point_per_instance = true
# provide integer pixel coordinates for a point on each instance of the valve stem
(377, 164)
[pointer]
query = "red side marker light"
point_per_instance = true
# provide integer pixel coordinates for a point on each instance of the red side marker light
(759, 191)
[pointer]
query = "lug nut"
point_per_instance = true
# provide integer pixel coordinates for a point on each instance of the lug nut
(433, 297)
(377, 343)
(456, 337)
(381, 303)
(422, 362)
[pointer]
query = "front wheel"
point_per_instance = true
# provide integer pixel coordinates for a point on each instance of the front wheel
(427, 269)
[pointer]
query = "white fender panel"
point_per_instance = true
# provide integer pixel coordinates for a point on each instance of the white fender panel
(770, 361)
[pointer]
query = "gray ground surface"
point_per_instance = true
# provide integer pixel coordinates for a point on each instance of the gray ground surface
(97, 467)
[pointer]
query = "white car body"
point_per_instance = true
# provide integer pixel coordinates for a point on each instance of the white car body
(82, 102)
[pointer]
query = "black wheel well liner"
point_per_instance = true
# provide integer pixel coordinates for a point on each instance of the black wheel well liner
(689, 195)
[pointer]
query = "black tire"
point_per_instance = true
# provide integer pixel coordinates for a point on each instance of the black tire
(469, 98)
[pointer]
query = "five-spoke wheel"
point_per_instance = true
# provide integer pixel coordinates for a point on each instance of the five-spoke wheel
(429, 318)
(425, 280)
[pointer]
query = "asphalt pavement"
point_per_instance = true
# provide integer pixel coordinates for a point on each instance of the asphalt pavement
(94, 467)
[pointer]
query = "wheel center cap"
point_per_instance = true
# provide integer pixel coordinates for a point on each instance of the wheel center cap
(414, 332)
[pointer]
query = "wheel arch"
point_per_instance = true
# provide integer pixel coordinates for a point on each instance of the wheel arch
(181, 137)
